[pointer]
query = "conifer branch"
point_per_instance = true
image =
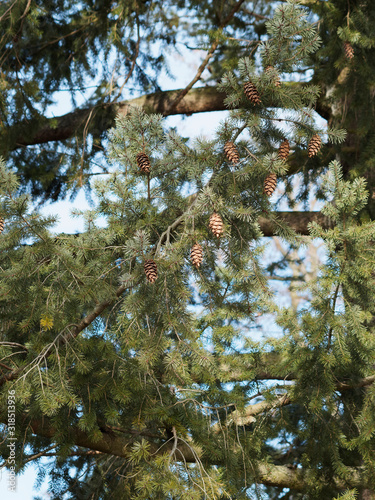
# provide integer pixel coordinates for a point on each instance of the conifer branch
(204, 63)
(247, 416)
(61, 340)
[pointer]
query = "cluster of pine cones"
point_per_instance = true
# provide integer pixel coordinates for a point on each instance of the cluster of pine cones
(216, 226)
(251, 92)
(216, 223)
(313, 148)
(231, 153)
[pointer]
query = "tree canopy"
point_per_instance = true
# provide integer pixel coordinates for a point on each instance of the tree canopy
(131, 354)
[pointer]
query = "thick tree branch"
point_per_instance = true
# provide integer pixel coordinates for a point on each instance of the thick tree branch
(268, 474)
(66, 126)
(102, 117)
(298, 221)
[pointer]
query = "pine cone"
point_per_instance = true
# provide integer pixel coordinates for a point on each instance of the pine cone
(143, 162)
(270, 184)
(151, 270)
(349, 51)
(231, 152)
(1, 224)
(216, 224)
(284, 149)
(276, 82)
(252, 93)
(314, 145)
(196, 255)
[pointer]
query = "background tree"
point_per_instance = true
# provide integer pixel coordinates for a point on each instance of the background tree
(129, 346)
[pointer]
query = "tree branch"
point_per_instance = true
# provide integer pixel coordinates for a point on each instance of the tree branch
(266, 473)
(198, 100)
(66, 126)
(204, 63)
(61, 340)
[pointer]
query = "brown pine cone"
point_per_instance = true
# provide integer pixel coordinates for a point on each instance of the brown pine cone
(231, 152)
(314, 145)
(196, 255)
(284, 149)
(143, 162)
(216, 224)
(270, 184)
(151, 270)
(1, 224)
(349, 51)
(252, 93)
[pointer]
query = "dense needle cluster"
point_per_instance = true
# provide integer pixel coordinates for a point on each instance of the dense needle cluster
(276, 80)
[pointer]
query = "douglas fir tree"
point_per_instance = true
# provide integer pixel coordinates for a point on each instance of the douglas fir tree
(129, 347)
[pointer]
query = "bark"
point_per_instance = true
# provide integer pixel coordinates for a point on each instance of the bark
(97, 119)
(298, 221)
(265, 473)
(102, 117)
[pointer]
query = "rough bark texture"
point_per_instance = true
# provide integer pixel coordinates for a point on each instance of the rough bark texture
(102, 117)
(297, 220)
(268, 474)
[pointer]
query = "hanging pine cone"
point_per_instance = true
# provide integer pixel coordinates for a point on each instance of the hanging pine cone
(196, 255)
(314, 145)
(143, 162)
(1, 224)
(231, 152)
(151, 270)
(252, 93)
(270, 184)
(349, 51)
(276, 82)
(216, 224)
(284, 149)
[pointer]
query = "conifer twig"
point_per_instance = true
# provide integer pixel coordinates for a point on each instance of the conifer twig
(210, 53)
(166, 234)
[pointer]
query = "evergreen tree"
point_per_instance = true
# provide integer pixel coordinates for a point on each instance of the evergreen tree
(129, 348)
